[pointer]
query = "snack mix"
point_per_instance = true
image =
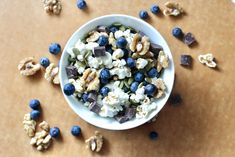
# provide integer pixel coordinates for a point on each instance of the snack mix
(116, 72)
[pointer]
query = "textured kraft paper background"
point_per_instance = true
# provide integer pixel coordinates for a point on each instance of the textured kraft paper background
(204, 124)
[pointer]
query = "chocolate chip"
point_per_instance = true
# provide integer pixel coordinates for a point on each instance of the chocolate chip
(155, 48)
(72, 72)
(102, 29)
(99, 51)
(92, 96)
(95, 107)
(175, 99)
(186, 60)
(189, 39)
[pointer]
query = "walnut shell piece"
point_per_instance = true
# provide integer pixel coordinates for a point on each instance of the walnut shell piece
(28, 67)
(52, 74)
(172, 9)
(95, 142)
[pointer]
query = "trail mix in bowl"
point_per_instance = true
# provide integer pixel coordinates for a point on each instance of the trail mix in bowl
(116, 71)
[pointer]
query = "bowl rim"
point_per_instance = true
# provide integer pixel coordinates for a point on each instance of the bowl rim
(134, 125)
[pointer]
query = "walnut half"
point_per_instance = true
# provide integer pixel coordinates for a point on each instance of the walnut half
(28, 67)
(95, 142)
(173, 9)
(52, 74)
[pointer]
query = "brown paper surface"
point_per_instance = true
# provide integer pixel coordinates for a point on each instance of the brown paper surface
(202, 126)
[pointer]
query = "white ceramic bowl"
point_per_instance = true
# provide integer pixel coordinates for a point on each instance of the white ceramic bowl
(167, 76)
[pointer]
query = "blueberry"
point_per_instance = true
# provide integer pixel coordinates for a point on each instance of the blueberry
(121, 42)
(113, 29)
(104, 81)
(69, 89)
(104, 91)
(126, 53)
(54, 48)
(130, 62)
(105, 74)
(54, 132)
(134, 86)
(45, 62)
(155, 9)
(81, 4)
(139, 76)
(177, 32)
(103, 40)
(84, 97)
(150, 89)
(153, 135)
(35, 114)
(143, 14)
(75, 130)
(153, 73)
(34, 104)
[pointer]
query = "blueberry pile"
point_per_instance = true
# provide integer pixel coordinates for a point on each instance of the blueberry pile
(112, 65)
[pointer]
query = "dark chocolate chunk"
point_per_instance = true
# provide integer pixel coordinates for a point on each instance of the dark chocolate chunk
(102, 29)
(175, 99)
(189, 39)
(92, 96)
(95, 107)
(155, 48)
(99, 51)
(72, 72)
(186, 60)
(130, 113)
(121, 119)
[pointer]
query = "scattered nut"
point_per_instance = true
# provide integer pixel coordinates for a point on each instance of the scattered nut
(52, 73)
(29, 125)
(172, 8)
(95, 143)
(208, 60)
(52, 6)
(28, 67)
(44, 125)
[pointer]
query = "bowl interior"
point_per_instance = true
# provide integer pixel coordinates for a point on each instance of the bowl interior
(167, 76)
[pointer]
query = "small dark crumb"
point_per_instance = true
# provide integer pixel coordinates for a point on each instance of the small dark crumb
(186, 60)
(189, 39)
(175, 99)
(153, 135)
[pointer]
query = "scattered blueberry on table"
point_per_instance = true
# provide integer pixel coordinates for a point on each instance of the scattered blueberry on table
(153, 135)
(35, 114)
(75, 130)
(81, 4)
(54, 132)
(143, 14)
(104, 91)
(45, 62)
(69, 89)
(54, 48)
(150, 89)
(155, 9)
(177, 32)
(121, 42)
(34, 104)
